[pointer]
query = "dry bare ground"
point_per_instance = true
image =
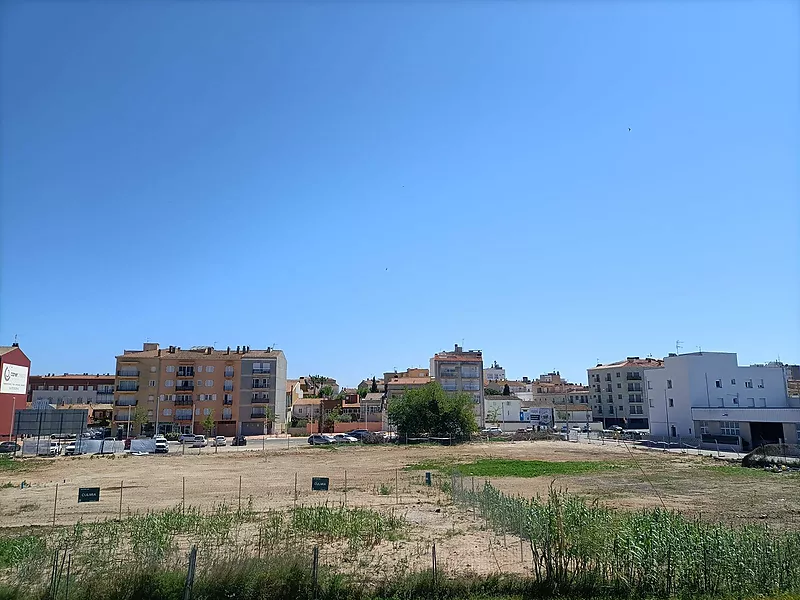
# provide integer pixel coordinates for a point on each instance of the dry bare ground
(375, 478)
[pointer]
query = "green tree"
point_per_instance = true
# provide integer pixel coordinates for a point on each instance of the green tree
(374, 388)
(362, 392)
(493, 415)
(139, 419)
(490, 392)
(429, 410)
(326, 391)
(208, 423)
(316, 382)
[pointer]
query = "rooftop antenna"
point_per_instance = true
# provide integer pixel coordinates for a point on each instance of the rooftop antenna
(678, 346)
(700, 349)
(15, 341)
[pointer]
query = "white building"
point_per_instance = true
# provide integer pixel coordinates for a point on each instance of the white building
(494, 373)
(708, 395)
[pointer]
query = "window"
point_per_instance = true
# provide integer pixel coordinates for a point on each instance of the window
(637, 409)
(718, 383)
(729, 428)
(70, 388)
(669, 384)
(149, 413)
(161, 398)
(209, 368)
(611, 397)
(80, 388)
(206, 411)
(619, 396)
(704, 428)
(619, 386)
(228, 371)
(599, 409)
(153, 368)
(227, 398)
(733, 382)
(649, 385)
(449, 385)
(611, 410)
(151, 383)
(168, 383)
(620, 409)
(748, 383)
(209, 382)
(262, 367)
(61, 388)
(214, 397)
(171, 369)
(761, 383)
(151, 398)
(199, 368)
(228, 387)
(469, 371)
(608, 376)
(797, 427)
(185, 371)
(472, 385)
(167, 412)
(227, 414)
(671, 403)
(617, 374)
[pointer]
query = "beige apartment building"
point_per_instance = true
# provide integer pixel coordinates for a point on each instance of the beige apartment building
(397, 383)
(618, 394)
(242, 390)
(460, 371)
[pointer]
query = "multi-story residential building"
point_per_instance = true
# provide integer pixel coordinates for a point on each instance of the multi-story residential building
(617, 392)
(14, 368)
(708, 395)
(396, 383)
(460, 371)
(242, 390)
(68, 389)
(494, 373)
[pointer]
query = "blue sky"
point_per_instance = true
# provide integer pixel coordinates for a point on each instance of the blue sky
(364, 184)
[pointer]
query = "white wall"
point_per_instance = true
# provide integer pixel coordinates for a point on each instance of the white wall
(508, 409)
(694, 376)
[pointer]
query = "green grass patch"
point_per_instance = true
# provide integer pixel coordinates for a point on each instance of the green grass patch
(14, 465)
(744, 472)
(503, 467)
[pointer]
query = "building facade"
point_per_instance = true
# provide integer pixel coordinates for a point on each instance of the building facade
(69, 389)
(14, 369)
(242, 391)
(618, 394)
(708, 395)
(462, 371)
(494, 373)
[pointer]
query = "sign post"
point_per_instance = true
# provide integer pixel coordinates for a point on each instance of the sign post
(320, 484)
(91, 494)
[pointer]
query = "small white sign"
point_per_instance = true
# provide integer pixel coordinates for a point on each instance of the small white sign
(14, 380)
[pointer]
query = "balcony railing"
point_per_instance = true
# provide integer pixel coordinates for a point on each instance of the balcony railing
(126, 402)
(184, 402)
(227, 402)
(185, 386)
(262, 370)
(106, 391)
(128, 373)
(183, 417)
(185, 374)
(260, 386)
(258, 415)
(634, 377)
(259, 401)
(128, 388)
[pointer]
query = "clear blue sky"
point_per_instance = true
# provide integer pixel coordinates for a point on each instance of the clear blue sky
(364, 184)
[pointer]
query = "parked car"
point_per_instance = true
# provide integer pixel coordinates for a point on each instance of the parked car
(319, 439)
(239, 440)
(9, 447)
(359, 434)
(186, 438)
(199, 441)
(344, 438)
(162, 446)
(492, 431)
(69, 449)
(616, 428)
(52, 449)
(219, 441)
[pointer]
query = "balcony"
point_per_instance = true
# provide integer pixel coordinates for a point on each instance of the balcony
(228, 372)
(259, 401)
(260, 370)
(128, 386)
(183, 416)
(184, 402)
(123, 401)
(185, 386)
(260, 386)
(258, 415)
(227, 402)
(185, 375)
(633, 376)
(105, 391)
(128, 373)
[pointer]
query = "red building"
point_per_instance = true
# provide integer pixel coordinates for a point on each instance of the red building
(14, 368)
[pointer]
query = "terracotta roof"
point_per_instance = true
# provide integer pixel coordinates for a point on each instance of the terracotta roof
(373, 397)
(197, 354)
(409, 381)
(633, 361)
(307, 401)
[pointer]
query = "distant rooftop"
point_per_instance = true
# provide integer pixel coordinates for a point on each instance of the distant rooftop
(632, 361)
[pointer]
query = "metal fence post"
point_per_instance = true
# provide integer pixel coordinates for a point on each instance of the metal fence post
(187, 588)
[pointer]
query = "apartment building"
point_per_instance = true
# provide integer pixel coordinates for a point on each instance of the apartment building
(708, 395)
(617, 392)
(460, 371)
(242, 390)
(494, 373)
(396, 383)
(69, 389)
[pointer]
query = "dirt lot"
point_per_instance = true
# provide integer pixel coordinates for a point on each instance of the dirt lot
(375, 477)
